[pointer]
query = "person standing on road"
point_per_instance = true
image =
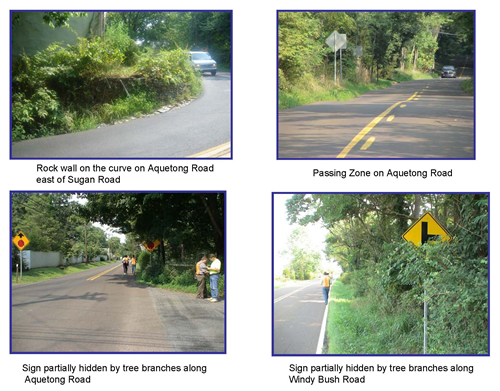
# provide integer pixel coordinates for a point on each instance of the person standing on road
(201, 275)
(133, 262)
(325, 283)
(125, 262)
(214, 277)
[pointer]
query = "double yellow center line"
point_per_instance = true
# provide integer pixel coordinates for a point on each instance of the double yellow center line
(102, 274)
(370, 126)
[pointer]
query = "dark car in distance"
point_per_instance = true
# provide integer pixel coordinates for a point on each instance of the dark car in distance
(449, 71)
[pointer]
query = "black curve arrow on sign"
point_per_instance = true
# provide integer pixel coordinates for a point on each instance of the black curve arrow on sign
(425, 233)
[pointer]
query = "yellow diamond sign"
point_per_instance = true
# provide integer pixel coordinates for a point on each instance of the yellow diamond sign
(426, 229)
(21, 241)
(150, 246)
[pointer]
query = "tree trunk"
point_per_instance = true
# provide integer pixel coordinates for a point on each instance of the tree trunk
(416, 210)
(216, 216)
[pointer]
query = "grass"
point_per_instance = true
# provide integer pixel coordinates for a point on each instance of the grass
(468, 86)
(355, 326)
(402, 76)
(176, 287)
(310, 89)
(48, 273)
(170, 286)
(309, 92)
(130, 106)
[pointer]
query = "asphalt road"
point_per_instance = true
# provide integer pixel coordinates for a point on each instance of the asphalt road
(181, 132)
(298, 314)
(417, 119)
(111, 313)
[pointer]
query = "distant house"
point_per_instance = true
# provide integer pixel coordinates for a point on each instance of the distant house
(31, 35)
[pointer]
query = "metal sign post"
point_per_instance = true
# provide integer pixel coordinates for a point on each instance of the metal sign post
(337, 41)
(427, 229)
(425, 317)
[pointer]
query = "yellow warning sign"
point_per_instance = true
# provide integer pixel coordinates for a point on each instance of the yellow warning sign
(426, 229)
(21, 241)
(150, 246)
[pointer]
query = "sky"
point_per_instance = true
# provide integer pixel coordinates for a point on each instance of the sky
(282, 230)
(110, 231)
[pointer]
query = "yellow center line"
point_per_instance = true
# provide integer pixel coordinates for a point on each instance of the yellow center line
(412, 97)
(390, 118)
(367, 144)
(369, 127)
(103, 273)
(217, 151)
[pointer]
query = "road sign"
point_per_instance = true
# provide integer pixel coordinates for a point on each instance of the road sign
(336, 41)
(426, 229)
(357, 51)
(21, 241)
(150, 246)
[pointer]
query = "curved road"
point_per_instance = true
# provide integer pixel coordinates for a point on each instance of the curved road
(417, 119)
(182, 132)
(103, 310)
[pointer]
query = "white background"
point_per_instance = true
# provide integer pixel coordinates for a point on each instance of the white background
(249, 180)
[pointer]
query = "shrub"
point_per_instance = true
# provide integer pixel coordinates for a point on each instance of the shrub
(62, 89)
(117, 38)
(172, 68)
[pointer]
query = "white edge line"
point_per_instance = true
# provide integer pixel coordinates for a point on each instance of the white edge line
(321, 340)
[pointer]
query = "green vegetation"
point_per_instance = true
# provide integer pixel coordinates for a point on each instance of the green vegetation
(384, 277)
(468, 86)
(184, 224)
(170, 279)
(396, 46)
(356, 326)
(400, 76)
(304, 261)
(308, 90)
(53, 222)
(48, 273)
(132, 70)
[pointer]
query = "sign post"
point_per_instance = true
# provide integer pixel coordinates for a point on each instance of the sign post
(150, 246)
(337, 41)
(21, 241)
(426, 229)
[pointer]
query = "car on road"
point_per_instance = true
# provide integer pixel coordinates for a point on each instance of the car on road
(449, 71)
(203, 62)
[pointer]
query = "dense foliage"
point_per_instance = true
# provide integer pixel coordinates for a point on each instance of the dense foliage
(381, 46)
(304, 261)
(140, 64)
(389, 41)
(185, 224)
(53, 222)
(390, 275)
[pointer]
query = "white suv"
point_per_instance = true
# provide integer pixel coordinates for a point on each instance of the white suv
(203, 62)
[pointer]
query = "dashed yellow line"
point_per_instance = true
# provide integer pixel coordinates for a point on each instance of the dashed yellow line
(103, 273)
(369, 127)
(367, 144)
(390, 118)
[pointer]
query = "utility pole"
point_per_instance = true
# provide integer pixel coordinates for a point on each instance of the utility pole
(86, 261)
